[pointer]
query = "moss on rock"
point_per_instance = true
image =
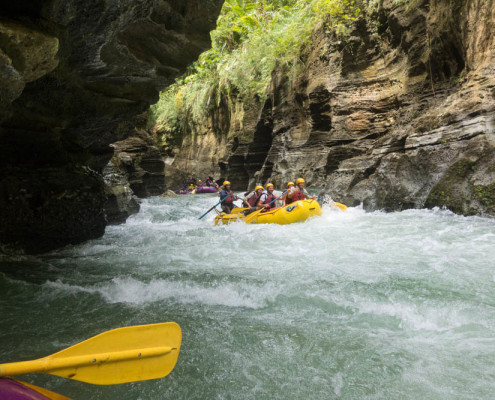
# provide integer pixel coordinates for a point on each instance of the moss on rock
(450, 190)
(485, 195)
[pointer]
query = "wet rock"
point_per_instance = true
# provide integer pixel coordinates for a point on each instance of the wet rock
(121, 201)
(141, 162)
(26, 54)
(75, 77)
(169, 193)
(51, 207)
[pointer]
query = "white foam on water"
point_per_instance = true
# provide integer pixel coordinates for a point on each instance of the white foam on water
(338, 383)
(414, 318)
(381, 305)
(132, 291)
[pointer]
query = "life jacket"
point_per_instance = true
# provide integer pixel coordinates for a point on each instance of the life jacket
(229, 199)
(298, 195)
(269, 198)
(253, 200)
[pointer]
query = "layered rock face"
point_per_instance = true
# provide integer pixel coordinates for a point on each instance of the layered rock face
(75, 77)
(136, 170)
(398, 114)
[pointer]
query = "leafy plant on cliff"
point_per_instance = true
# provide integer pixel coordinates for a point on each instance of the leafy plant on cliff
(251, 38)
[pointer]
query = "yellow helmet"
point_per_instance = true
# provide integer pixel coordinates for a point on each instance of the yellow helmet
(226, 183)
(290, 183)
(300, 180)
(268, 185)
(258, 187)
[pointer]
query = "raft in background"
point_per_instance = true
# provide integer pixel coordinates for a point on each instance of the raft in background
(205, 189)
(200, 190)
(298, 211)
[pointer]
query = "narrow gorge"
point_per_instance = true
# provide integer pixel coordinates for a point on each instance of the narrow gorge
(397, 113)
(124, 277)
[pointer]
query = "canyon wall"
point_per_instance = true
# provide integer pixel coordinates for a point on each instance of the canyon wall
(398, 113)
(75, 77)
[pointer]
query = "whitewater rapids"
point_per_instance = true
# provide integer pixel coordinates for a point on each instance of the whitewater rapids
(350, 305)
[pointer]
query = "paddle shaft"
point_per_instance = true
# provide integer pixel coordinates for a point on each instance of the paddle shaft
(220, 202)
(47, 364)
(273, 201)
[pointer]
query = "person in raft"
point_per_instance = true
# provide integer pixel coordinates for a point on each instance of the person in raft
(284, 198)
(251, 200)
(298, 192)
(228, 203)
(267, 198)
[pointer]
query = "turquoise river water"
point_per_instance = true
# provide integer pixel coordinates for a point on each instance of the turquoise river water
(350, 305)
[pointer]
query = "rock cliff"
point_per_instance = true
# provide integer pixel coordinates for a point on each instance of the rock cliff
(75, 77)
(399, 113)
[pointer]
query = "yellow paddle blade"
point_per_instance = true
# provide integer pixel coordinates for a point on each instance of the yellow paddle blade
(252, 216)
(343, 207)
(134, 353)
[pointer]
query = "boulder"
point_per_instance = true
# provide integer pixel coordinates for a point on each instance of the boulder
(169, 193)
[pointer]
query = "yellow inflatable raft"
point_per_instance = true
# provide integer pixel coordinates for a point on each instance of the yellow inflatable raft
(298, 211)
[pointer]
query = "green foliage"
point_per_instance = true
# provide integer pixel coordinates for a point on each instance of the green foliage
(336, 11)
(251, 38)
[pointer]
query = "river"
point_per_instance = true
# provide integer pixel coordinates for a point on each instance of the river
(350, 305)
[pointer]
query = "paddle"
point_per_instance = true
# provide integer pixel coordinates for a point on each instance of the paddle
(253, 215)
(343, 207)
(134, 353)
(220, 202)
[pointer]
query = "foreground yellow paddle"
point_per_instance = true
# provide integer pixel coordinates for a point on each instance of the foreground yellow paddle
(134, 353)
